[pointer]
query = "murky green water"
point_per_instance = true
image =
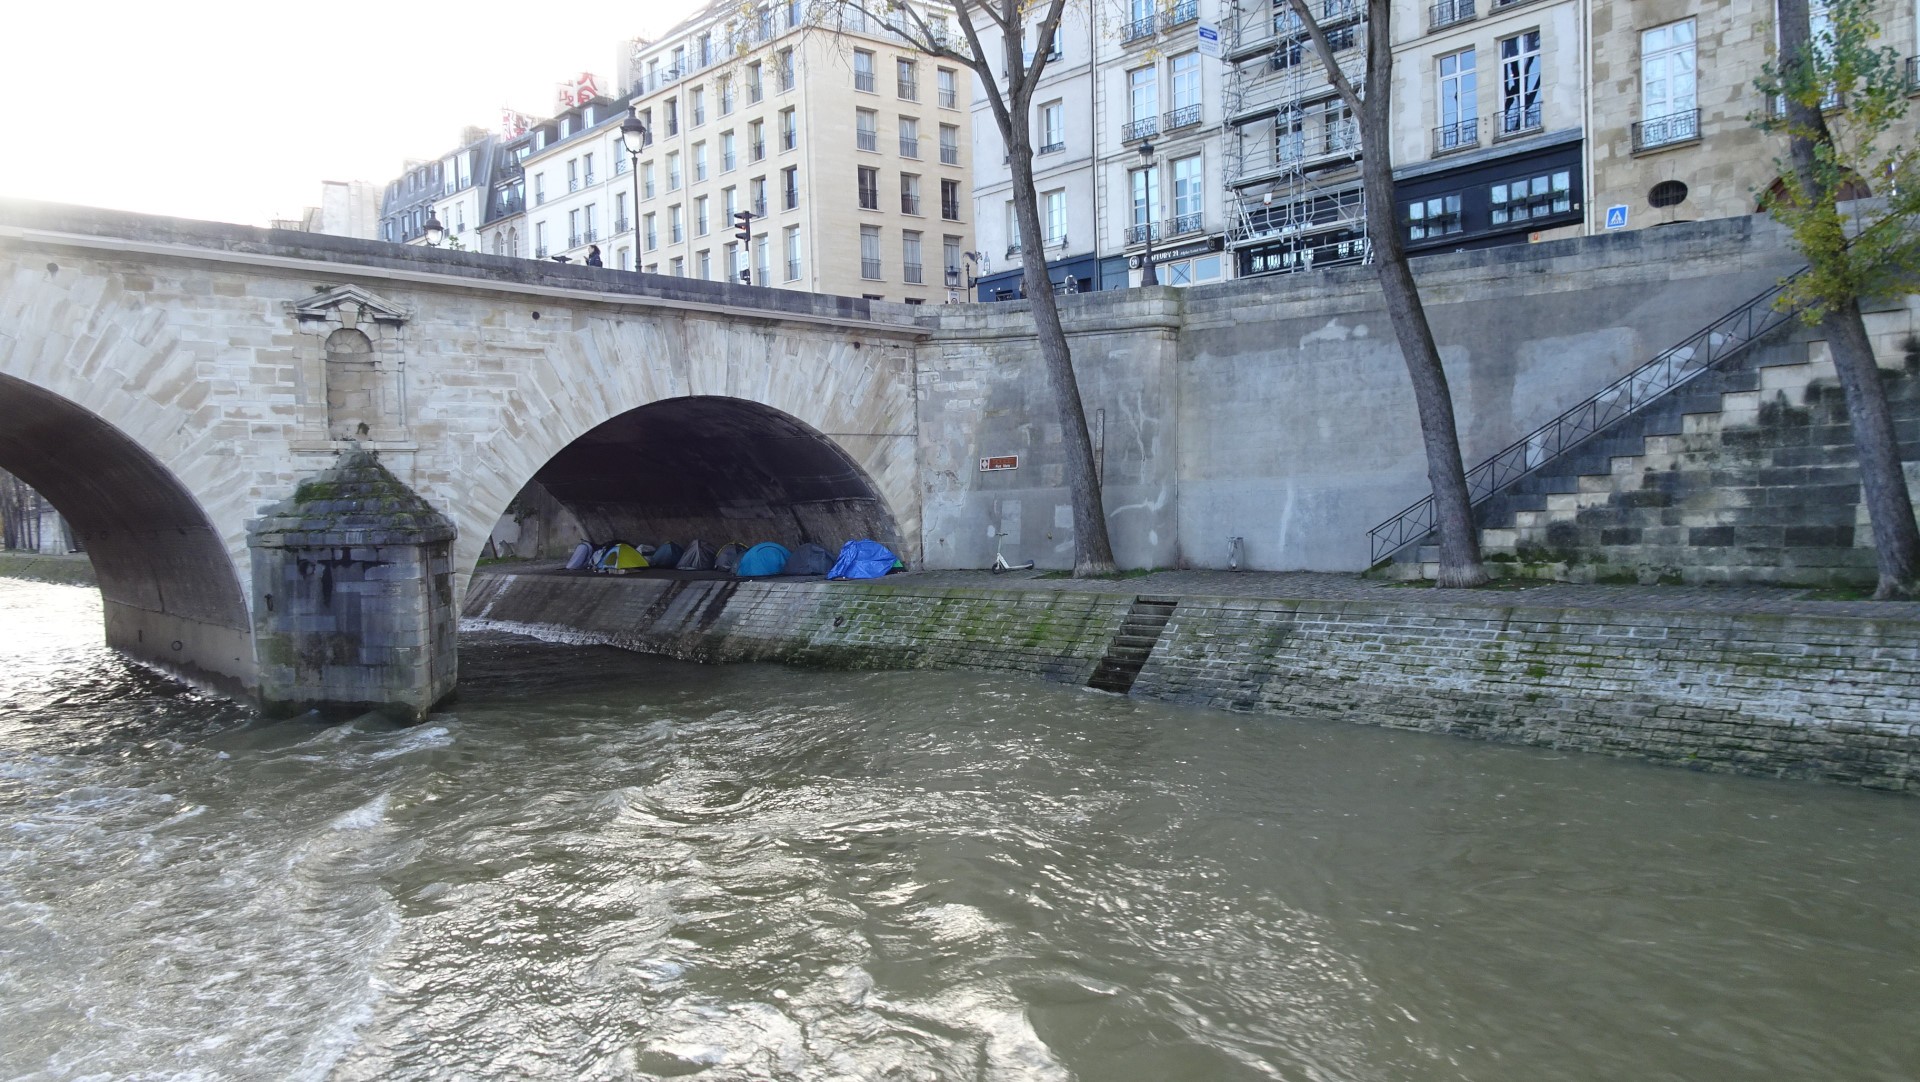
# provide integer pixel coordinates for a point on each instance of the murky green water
(599, 865)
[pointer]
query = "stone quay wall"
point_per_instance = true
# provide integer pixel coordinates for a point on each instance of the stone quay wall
(1829, 698)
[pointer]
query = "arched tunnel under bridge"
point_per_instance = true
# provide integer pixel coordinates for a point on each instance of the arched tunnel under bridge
(168, 583)
(709, 467)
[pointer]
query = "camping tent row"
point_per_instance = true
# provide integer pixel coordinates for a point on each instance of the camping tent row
(858, 559)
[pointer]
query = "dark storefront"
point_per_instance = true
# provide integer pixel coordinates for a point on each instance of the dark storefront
(1005, 285)
(1492, 197)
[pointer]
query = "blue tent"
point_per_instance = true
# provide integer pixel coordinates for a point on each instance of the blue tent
(863, 560)
(667, 555)
(763, 559)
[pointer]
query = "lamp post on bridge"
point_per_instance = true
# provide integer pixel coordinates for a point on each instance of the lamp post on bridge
(1147, 276)
(434, 230)
(635, 136)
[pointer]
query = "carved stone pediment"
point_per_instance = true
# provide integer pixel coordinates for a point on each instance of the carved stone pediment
(348, 304)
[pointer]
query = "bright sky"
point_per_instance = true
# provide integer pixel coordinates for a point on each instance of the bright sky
(236, 110)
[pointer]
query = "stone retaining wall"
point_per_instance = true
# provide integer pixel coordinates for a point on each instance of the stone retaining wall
(1800, 696)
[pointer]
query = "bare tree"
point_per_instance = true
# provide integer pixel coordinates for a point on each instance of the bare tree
(1372, 104)
(1842, 94)
(1010, 91)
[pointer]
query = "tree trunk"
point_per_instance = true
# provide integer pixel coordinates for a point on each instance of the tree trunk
(1896, 539)
(1092, 551)
(1883, 484)
(1452, 511)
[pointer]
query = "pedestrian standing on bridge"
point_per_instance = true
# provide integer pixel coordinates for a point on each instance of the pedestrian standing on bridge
(593, 256)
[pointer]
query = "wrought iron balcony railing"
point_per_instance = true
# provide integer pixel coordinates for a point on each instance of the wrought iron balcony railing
(1138, 30)
(1184, 117)
(913, 273)
(870, 269)
(1182, 13)
(1448, 13)
(1518, 119)
(1184, 223)
(909, 90)
(1141, 234)
(1666, 130)
(1715, 345)
(1052, 148)
(1460, 135)
(1136, 130)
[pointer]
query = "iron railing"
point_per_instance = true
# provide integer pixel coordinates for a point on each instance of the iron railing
(870, 269)
(866, 139)
(1140, 234)
(1184, 117)
(949, 97)
(1182, 13)
(1662, 131)
(1144, 128)
(949, 210)
(1183, 223)
(1448, 12)
(909, 204)
(1519, 118)
(1052, 148)
(1459, 135)
(909, 90)
(1710, 347)
(949, 154)
(912, 274)
(1138, 30)
(869, 199)
(909, 147)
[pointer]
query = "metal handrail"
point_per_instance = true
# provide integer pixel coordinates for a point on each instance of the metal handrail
(1709, 347)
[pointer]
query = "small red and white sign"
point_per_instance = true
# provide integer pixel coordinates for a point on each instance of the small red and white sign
(996, 463)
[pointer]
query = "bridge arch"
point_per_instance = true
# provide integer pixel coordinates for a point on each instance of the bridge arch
(167, 581)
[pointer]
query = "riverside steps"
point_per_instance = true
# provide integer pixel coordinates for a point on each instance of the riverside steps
(1755, 680)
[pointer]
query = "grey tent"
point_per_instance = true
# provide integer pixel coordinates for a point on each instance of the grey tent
(667, 555)
(809, 559)
(729, 556)
(582, 558)
(697, 557)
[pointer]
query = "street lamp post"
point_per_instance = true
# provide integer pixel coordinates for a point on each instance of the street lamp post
(1147, 276)
(435, 231)
(634, 136)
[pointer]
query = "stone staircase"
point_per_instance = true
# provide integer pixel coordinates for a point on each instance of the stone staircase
(1744, 474)
(1131, 646)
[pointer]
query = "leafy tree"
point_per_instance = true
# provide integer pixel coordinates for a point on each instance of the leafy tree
(1010, 80)
(1842, 97)
(1372, 103)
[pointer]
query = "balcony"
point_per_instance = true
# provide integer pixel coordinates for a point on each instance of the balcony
(1135, 130)
(1448, 13)
(1518, 119)
(1461, 135)
(1184, 117)
(621, 225)
(1053, 148)
(587, 181)
(1663, 131)
(870, 269)
(1184, 223)
(575, 240)
(573, 184)
(909, 147)
(1182, 13)
(869, 199)
(1141, 234)
(590, 235)
(1138, 30)
(866, 140)
(909, 90)
(949, 154)
(863, 81)
(913, 273)
(910, 204)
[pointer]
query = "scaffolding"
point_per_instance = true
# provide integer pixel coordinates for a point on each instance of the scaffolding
(1292, 146)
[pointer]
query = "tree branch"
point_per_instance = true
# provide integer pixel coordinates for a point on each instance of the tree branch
(1321, 45)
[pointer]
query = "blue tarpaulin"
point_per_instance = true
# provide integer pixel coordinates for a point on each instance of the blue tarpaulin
(863, 560)
(765, 558)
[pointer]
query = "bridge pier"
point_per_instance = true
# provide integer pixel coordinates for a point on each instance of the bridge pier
(353, 596)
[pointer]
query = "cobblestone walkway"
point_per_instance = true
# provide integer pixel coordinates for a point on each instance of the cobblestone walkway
(1314, 586)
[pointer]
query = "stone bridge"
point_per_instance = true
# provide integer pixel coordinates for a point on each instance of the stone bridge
(162, 382)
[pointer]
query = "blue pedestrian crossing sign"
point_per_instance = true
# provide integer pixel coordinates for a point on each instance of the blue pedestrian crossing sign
(1617, 216)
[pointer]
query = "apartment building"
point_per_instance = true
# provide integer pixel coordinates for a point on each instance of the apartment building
(451, 187)
(575, 186)
(852, 151)
(503, 223)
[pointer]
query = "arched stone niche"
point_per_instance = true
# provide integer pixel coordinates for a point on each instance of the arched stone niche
(352, 362)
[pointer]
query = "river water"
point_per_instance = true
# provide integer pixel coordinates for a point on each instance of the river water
(601, 865)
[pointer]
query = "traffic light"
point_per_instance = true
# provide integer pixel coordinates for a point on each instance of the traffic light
(743, 228)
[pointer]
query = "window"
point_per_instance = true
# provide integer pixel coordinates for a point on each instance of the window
(783, 67)
(539, 240)
(869, 179)
(732, 257)
(1520, 83)
(754, 89)
(909, 74)
(727, 157)
(678, 266)
(673, 116)
(757, 193)
(673, 171)
(1531, 197)
(757, 141)
(1189, 194)
(700, 217)
(792, 247)
(1436, 217)
(950, 200)
(592, 221)
(1459, 122)
(573, 229)
(910, 268)
(623, 259)
(949, 83)
(1289, 137)
(1342, 133)
(863, 70)
(793, 13)
(909, 137)
(676, 228)
(1144, 186)
(619, 165)
(870, 252)
(704, 261)
(700, 160)
(1185, 70)
(866, 129)
(539, 188)
(697, 105)
(1053, 127)
(789, 131)
(723, 88)
(790, 188)
(651, 236)
(950, 258)
(949, 144)
(573, 174)
(646, 180)
(703, 50)
(621, 223)
(1668, 105)
(729, 203)
(909, 194)
(1053, 221)
(1143, 94)
(586, 169)
(763, 266)
(1013, 230)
